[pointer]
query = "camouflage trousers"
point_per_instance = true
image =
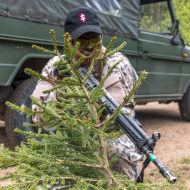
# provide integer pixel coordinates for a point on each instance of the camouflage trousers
(126, 155)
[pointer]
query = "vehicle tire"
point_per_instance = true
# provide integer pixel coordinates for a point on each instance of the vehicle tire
(14, 119)
(184, 105)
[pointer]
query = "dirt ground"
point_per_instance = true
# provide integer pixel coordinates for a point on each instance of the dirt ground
(174, 146)
(171, 149)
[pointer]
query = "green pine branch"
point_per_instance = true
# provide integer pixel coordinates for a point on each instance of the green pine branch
(74, 153)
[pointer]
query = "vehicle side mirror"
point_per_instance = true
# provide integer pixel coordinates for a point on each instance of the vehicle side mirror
(175, 32)
(176, 39)
(175, 28)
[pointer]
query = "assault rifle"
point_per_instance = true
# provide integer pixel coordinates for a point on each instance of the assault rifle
(132, 128)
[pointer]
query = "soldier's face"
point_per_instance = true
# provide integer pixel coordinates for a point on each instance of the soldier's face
(89, 47)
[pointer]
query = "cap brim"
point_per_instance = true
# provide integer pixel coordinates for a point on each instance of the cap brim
(84, 29)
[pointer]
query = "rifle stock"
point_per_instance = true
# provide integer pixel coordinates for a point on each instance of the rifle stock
(133, 130)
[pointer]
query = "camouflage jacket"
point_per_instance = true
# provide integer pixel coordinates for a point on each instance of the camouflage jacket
(118, 84)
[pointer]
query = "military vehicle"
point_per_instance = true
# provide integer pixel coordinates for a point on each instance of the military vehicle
(163, 52)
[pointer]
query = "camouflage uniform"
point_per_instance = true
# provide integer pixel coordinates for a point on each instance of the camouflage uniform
(118, 84)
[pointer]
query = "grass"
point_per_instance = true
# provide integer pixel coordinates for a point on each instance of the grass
(185, 161)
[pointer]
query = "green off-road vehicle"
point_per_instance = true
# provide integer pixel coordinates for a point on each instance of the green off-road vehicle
(153, 44)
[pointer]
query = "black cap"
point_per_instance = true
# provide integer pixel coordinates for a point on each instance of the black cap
(82, 20)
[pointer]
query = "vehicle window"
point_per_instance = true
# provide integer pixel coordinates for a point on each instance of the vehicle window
(112, 8)
(155, 18)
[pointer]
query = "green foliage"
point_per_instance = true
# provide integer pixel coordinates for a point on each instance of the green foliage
(182, 8)
(148, 23)
(73, 154)
(185, 161)
(156, 18)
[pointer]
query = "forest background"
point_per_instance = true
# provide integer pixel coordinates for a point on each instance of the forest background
(157, 18)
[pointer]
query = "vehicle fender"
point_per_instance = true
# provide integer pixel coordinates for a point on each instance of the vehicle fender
(21, 62)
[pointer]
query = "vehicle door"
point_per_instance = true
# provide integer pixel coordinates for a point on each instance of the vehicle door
(160, 53)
